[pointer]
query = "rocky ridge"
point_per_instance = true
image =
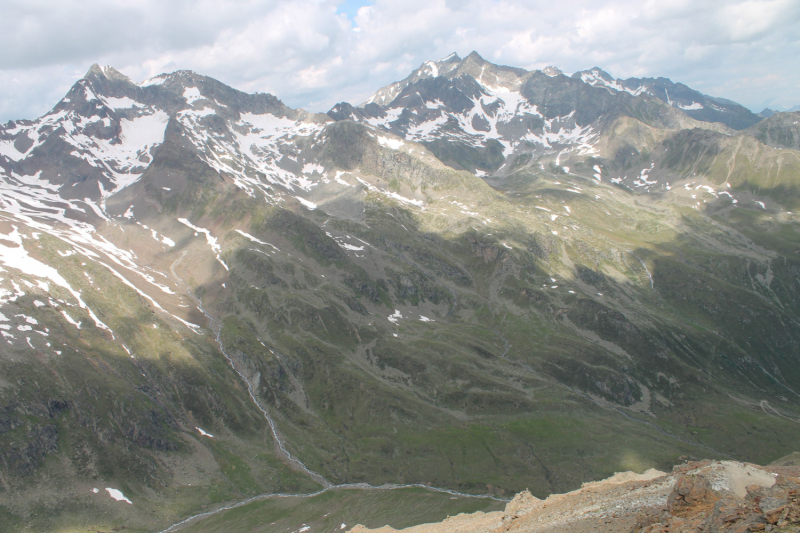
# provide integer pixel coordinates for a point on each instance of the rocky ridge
(695, 104)
(498, 122)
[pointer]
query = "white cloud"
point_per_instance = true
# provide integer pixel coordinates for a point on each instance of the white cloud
(307, 53)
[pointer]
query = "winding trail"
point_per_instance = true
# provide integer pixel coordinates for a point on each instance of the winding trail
(344, 486)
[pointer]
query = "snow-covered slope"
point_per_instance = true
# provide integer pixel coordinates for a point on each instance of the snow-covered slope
(494, 120)
(101, 137)
(476, 115)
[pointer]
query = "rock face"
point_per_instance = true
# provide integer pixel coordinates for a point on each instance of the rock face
(706, 496)
(714, 498)
(23, 458)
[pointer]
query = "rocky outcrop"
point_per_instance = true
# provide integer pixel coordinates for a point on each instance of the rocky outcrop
(23, 458)
(730, 497)
(705, 496)
(523, 503)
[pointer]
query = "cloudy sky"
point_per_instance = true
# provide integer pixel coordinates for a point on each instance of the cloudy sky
(314, 53)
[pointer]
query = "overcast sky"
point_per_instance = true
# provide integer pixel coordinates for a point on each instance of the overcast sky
(314, 53)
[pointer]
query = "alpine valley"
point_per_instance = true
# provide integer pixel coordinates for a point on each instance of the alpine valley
(480, 281)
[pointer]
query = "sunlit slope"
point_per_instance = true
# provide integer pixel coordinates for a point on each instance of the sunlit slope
(103, 387)
(571, 279)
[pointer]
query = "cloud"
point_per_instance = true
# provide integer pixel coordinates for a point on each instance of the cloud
(313, 53)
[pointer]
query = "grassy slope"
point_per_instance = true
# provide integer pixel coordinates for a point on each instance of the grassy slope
(123, 422)
(327, 512)
(514, 384)
(439, 404)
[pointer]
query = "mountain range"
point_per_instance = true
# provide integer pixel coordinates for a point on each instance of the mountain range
(767, 112)
(482, 279)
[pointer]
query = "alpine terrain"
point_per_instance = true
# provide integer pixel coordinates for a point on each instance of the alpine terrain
(222, 314)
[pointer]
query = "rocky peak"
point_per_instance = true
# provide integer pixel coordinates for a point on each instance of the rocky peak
(108, 72)
(594, 72)
(487, 73)
(429, 69)
(101, 86)
(779, 130)
(552, 71)
(474, 59)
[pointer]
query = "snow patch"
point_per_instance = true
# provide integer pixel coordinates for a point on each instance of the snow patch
(117, 495)
(212, 241)
(203, 433)
(254, 239)
(394, 144)
(310, 168)
(192, 94)
(121, 103)
(310, 205)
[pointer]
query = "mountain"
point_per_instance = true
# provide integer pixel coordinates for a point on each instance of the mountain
(767, 112)
(485, 118)
(695, 104)
(499, 122)
(780, 130)
(483, 280)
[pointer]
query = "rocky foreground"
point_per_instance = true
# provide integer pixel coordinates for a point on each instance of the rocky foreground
(707, 496)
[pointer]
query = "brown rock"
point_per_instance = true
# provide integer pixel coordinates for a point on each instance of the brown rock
(752, 488)
(691, 490)
(522, 504)
(773, 515)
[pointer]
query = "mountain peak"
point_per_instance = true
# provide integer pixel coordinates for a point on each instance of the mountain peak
(552, 71)
(597, 71)
(106, 72)
(474, 64)
(452, 58)
(428, 69)
(474, 56)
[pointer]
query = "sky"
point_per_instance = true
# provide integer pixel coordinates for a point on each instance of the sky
(315, 53)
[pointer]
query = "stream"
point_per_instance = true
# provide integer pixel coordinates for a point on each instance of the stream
(216, 327)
